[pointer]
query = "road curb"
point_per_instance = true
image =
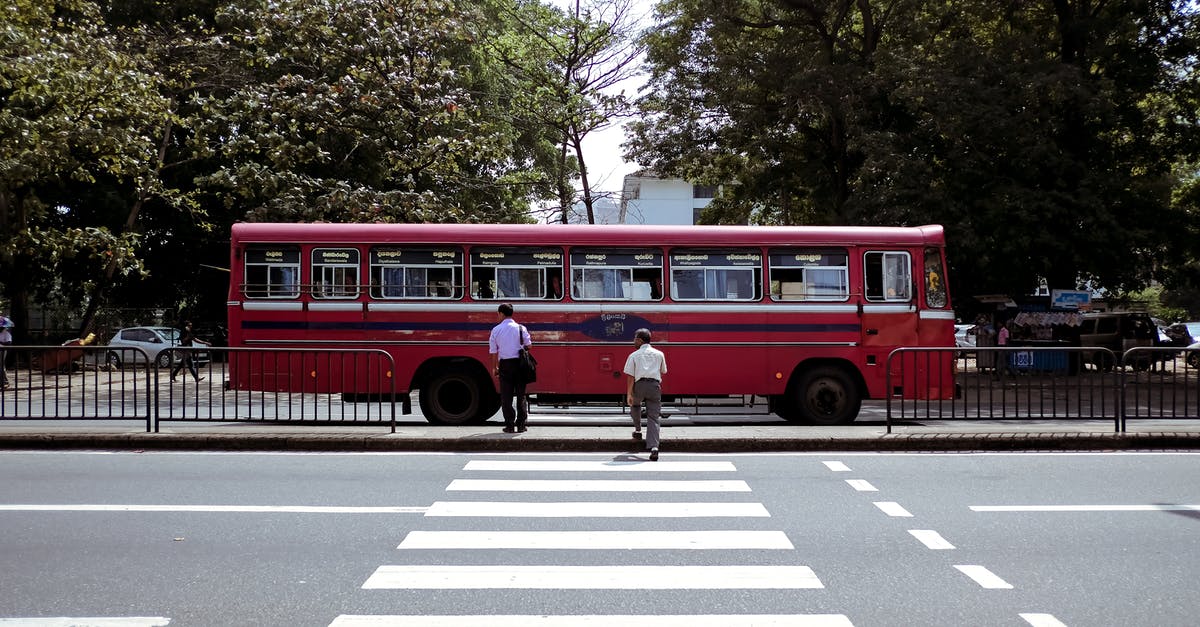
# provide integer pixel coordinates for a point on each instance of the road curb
(930, 442)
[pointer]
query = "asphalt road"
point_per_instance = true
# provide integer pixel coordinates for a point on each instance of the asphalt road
(809, 539)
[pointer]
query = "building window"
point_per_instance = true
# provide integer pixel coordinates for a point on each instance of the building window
(704, 191)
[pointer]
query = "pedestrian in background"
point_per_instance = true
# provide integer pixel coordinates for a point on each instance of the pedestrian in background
(6, 339)
(645, 368)
(186, 337)
(505, 345)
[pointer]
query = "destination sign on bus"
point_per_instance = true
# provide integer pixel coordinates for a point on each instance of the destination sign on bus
(523, 257)
(622, 259)
(273, 255)
(415, 257)
(716, 258)
(807, 258)
(335, 256)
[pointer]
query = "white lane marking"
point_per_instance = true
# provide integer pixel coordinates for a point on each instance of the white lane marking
(90, 621)
(596, 485)
(439, 577)
(931, 539)
(892, 508)
(596, 509)
(984, 577)
(220, 509)
(597, 466)
(862, 485)
(586, 620)
(837, 466)
(596, 540)
(1085, 508)
(1042, 620)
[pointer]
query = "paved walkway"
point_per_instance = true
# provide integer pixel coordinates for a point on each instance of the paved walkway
(608, 431)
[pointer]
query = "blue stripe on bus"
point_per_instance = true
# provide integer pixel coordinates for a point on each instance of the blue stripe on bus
(588, 328)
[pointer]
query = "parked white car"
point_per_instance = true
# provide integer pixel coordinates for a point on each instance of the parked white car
(155, 341)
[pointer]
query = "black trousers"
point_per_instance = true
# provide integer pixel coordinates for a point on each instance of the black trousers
(512, 386)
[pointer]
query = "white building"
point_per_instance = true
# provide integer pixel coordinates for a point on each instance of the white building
(648, 199)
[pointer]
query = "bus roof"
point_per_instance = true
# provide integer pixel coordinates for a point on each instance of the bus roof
(586, 234)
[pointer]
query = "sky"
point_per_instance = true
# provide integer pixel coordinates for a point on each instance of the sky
(602, 149)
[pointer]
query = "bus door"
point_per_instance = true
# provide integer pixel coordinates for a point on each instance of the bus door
(889, 307)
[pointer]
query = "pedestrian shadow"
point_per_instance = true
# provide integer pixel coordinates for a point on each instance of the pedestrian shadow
(1178, 510)
(629, 457)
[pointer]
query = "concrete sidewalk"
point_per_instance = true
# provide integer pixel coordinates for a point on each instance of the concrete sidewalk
(567, 435)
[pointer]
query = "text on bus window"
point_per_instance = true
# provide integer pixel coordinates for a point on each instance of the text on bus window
(416, 272)
(615, 274)
(809, 274)
(272, 272)
(716, 274)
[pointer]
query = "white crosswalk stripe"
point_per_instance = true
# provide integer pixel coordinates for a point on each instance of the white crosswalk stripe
(596, 466)
(592, 540)
(674, 574)
(87, 621)
(624, 577)
(593, 509)
(605, 620)
(593, 485)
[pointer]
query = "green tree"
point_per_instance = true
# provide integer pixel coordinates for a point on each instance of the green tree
(564, 67)
(366, 110)
(80, 122)
(1045, 135)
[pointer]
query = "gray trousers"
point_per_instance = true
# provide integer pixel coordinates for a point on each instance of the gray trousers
(650, 392)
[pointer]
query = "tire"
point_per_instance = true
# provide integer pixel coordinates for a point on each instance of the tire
(163, 359)
(456, 396)
(825, 396)
(114, 359)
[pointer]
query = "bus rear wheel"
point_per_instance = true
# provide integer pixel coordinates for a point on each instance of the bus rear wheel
(456, 397)
(823, 396)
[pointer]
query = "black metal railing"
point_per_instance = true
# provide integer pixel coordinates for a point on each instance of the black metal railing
(1043, 383)
(200, 384)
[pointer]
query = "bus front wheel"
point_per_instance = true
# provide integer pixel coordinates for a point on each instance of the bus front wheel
(824, 396)
(455, 397)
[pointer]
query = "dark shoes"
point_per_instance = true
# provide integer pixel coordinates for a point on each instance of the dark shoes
(637, 436)
(654, 454)
(521, 429)
(509, 429)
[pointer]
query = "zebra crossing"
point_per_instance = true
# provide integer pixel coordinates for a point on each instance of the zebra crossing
(566, 496)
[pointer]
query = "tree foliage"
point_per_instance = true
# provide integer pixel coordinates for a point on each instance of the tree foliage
(1044, 134)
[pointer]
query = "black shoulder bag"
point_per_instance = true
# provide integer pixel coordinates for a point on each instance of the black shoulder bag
(527, 367)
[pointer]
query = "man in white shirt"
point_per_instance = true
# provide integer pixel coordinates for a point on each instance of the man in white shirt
(505, 344)
(645, 368)
(5, 340)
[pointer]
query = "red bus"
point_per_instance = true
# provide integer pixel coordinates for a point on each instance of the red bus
(804, 316)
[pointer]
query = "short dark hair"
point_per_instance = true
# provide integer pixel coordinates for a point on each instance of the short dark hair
(505, 309)
(643, 335)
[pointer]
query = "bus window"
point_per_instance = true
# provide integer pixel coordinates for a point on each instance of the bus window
(809, 274)
(887, 276)
(935, 285)
(335, 272)
(716, 274)
(516, 273)
(272, 272)
(416, 273)
(616, 274)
